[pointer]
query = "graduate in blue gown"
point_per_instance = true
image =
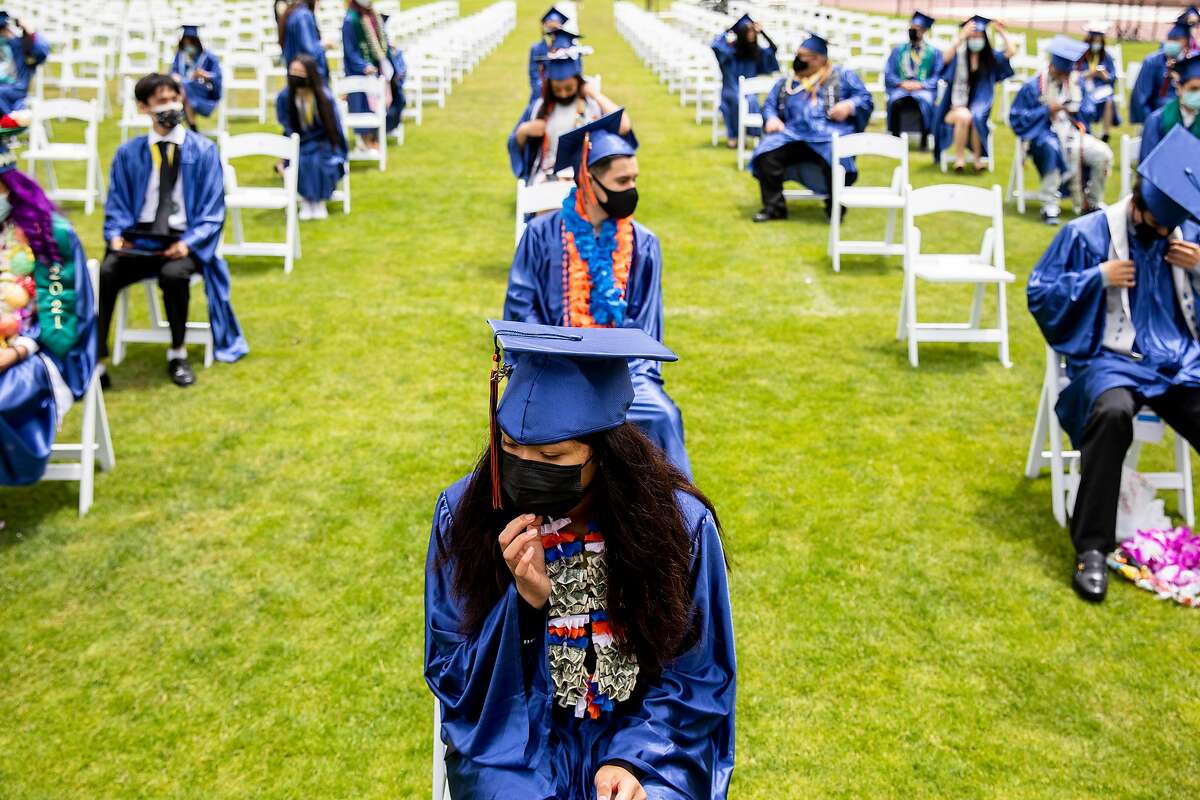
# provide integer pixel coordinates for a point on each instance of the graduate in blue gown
(50, 364)
(307, 107)
(193, 165)
(1053, 113)
(1100, 80)
(971, 70)
(367, 51)
(1154, 87)
(1182, 111)
(199, 71)
(20, 56)
(552, 22)
(744, 51)
(578, 633)
(1116, 293)
(800, 116)
(299, 35)
(614, 279)
(911, 79)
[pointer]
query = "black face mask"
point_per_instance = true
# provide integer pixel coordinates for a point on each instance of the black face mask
(619, 204)
(799, 64)
(297, 82)
(914, 36)
(1146, 233)
(534, 487)
(169, 118)
(566, 101)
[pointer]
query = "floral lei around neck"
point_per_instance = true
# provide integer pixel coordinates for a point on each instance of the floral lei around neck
(577, 567)
(595, 268)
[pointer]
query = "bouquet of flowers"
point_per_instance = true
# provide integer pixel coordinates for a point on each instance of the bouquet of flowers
(1166, 562)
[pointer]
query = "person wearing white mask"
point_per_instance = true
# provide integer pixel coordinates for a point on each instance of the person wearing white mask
(1183, 111)
(199, 72)
(1154, 87)
(972, 70)
(1100, 79)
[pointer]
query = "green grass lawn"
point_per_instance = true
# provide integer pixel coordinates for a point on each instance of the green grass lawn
(240, 615)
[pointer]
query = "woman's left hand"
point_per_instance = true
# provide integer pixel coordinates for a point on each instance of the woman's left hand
(841, 111)
(617, 783)
(9, 356)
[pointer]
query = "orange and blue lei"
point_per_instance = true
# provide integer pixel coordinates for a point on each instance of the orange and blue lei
(595, 268)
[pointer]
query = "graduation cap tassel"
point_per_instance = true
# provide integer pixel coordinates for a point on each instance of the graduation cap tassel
(494, 429)
(585, 177)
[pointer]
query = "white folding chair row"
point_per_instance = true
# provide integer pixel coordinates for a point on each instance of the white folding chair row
(233, 67)
(42, 149)
(375, 88)
(239, 196)
(890, 197)
(538, 198)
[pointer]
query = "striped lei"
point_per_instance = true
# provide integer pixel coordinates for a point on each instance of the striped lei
(595, 268)
(578, 572)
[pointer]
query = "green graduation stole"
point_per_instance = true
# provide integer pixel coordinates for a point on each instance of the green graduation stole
(56, 294)
(924, 71)
(1172, 117)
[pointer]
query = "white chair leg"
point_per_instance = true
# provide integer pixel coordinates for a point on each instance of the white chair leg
(105, 455)
(890, 231)
(1002, 323)
(119, 325)
(87, 451)
(977, 305)
(911, 304)
(835, 234)
(1183, 465)
(1041, 432)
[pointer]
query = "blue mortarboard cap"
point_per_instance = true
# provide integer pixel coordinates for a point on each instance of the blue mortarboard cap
(561, 64)
(1171, 178)
(603, 138)
(744, 22)
(1192, 11)
(1065, 51)
(4, 18)
(561, 40)
(1179, 31)
(1188, 69)
(554, 15)
(815, 44)
(978, 23)
(568, 382)
(191, 30)
(920, 20)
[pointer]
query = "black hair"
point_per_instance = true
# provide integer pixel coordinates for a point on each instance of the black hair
(548, 98)
(601, 167)
(183, 40)
(987, 62)
(324, 107)
(148, 86)
(648, 545)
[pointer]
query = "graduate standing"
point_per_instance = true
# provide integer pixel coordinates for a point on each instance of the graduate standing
(366, 51)
(744, 51)
(1154, 87)
(168, 189)
(971, 71)
(552, 22)
(1183, 111)
(578, 632)
(800, 116)
(20, 56)
(306, 107)
(1052, 112)
(299, 35)
(591, 265)
(911, 79)
(1116, 293)
(199, 72)
(1100, 80)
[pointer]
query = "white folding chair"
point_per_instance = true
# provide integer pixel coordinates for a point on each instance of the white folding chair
(85, 69)
(1016, 178)
(375, 89)
(342, 195)
(747, 121)
(233, 83)
(990, 159)
(1131, 149)
(1064, 463)
(441, 789)
(159, 332)
(77, 462)
(538, 198)
(889, 197)
(131, 119)
(239, 196)
(982, 269)
(42, 149)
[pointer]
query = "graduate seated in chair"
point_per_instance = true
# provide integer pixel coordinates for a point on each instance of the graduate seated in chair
(1052, 113)
(1116, 293)
(971, 70)
(367, 51)
(20, 56)
(163, 219)
(578, 633)
(552, 22)
(591, 265)
(800, 116)
(306, 107)
(743, 51)
(567, 102)
(199, 72)
(911, 79)
(1183, 111)
(47, 321)
(1100, 79)
(1155, 87)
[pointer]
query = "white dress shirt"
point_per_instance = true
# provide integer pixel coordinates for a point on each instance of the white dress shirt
(178, 220)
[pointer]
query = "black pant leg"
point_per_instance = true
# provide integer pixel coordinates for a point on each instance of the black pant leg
(116, 272)
(1180, 408)
(1106, 439)
(771, 168)
(175, 280)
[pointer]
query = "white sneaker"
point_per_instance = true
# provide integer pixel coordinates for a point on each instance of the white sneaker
(306, 211)
(319, 210)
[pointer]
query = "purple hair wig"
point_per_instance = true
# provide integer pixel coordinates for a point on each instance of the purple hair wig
(31, 211)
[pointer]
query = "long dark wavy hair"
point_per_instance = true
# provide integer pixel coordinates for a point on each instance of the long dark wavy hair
(324, 106)
(31, 212)
(987, 62)
(548, 98)
(647, 543)
(743, 48)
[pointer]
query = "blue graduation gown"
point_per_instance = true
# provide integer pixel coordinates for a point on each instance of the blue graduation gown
(1030, 120)
(507, 738)
(354, 63)
(896, 72)
(1155, 129)
(979, 102)
(300, 35)
(538, 51)
(12, 95)
(521, 159)
(204, 205)
(322, 163)
(28, 412)
(806, 121)
(1152, 90)
(1091, 85)
(535, 294)
(733, 68)
(1067, 298)
(203, 96)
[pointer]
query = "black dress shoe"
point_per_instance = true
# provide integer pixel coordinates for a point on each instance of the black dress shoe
(181, 372)
(105, 380)
(1091, 576)
(768, 216)
(829, 211)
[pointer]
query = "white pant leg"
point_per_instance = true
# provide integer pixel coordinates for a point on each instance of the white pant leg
(1098, 158)
(1048, 193)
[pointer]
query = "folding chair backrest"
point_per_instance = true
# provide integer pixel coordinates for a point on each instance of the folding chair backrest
(760, 85)
(370, 85)
(272, 145)
(871, 144)
(954, 197)
(65, 108)
(542, 197)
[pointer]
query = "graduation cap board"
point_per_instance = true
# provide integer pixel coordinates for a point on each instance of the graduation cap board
(554, 15)
(1065, 51)
(1188, 69)
(1179, 31)
(741, 24)
(921, 20)
(191, 30)
(815, 44)
(597, 140)
(978, 23)
(1171, 178)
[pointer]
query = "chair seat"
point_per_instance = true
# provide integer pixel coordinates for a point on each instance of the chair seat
(256, 197)
(63, 151)
(958, 269)
(362, 120)
(870, 197)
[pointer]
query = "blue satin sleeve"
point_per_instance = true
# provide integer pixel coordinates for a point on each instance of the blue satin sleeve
(519, 157)
(1148, 82)
(207, 218)
(27, 422)
(770, 106)
(891, 72)
(1066, 294)
(1028, 117)
(525, 299)
(119, 211)
(644, 295)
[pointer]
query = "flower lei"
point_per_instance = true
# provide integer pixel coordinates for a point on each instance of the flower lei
(18, 289)
(1166, 562)
(595, 268)
(578, 572)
